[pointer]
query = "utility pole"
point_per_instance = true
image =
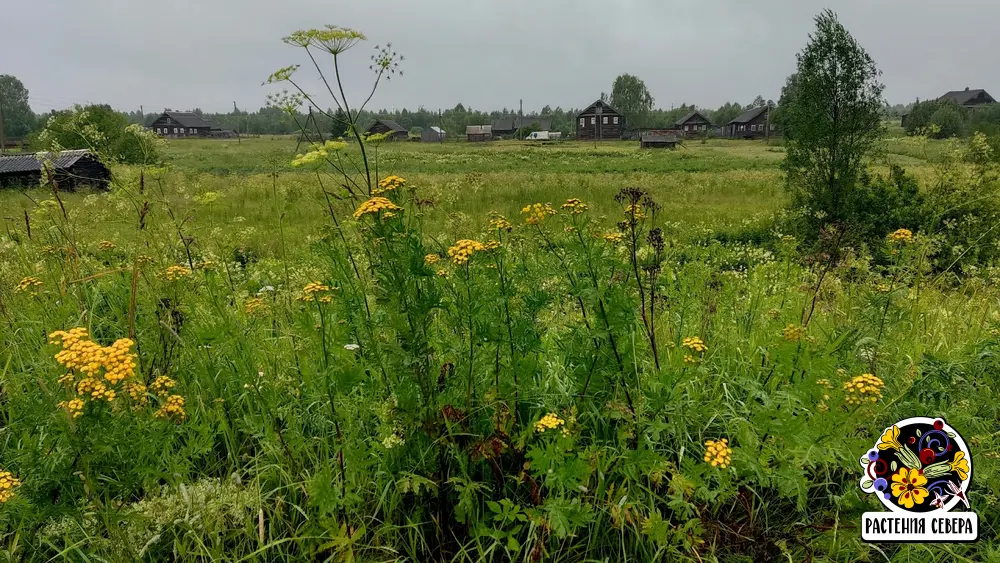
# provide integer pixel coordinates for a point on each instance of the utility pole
(520, 118)
(767, 126)
(142, 116)
(600, 129)
(3, 138)
(236, 112)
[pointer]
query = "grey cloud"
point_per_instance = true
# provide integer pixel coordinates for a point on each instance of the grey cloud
(484, 54)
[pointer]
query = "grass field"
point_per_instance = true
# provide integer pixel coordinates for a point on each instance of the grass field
(315, 379)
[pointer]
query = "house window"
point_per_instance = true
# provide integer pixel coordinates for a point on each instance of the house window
(605, 121)
(583, 121)
(175, 130)
(743, 127)
(616, 121)
(593, 120)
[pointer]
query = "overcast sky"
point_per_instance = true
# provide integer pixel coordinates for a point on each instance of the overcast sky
(184, 54)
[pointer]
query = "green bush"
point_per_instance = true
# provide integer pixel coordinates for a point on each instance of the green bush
(962, 207)
(102, 130)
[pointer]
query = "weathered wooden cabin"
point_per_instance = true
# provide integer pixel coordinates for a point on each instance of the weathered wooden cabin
(432, 135)
(388, 127)
(181, 124)
(968, 98)
(751, 124)
(479, 133)
(693, 124)
(658, 142)
(70, 169)
(599, 121)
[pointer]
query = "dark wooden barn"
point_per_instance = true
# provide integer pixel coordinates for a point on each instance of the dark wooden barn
(599, 121)
(386, 126)
(503, 128)
(693, 124)
(533, 122)
(752, 124)
(658, 142)
(70, 169)
(508, 128)
(181, 124)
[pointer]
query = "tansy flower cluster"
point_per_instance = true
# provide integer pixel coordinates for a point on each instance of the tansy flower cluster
(536, 213)
(574, 206)
(901, 236)
(106, 245)
(549, 421)
(99, 373)
(255, 305)
(793, 333)
(7, 485)
(28, 285)
(312, 289)
(500, 223)
(613, 238)
(174, 273)
(863, 388)
(388, 184)
(463, 249)
(718, 453)
(172, 409)
(694, 343)
(634, 211)
(431, 259)
(162, 385)
(376, 205)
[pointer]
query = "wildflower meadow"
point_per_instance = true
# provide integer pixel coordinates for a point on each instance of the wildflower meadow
(372, 351)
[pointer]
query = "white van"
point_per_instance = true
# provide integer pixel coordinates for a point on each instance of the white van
(544, 136)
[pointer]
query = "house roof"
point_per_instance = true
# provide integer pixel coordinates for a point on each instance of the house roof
(503, 124)
(437, 129)
(962, 97)
(187, 119)
(29, 162)
(687, 117)
(478, 129)
(543, 123)
(749, 115)
(592, 108)
(391, 125)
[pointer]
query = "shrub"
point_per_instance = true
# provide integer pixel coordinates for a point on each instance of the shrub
(102, 130)
(962, 207)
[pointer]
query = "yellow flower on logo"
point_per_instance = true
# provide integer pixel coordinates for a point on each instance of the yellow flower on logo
(960, 465)
(908, 486)
(890, 440)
